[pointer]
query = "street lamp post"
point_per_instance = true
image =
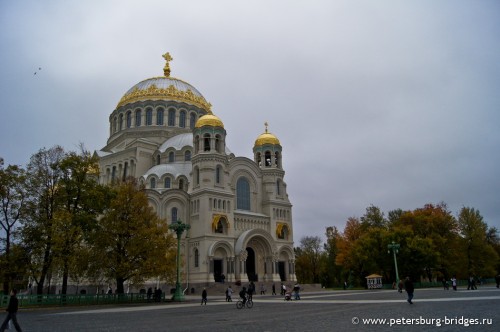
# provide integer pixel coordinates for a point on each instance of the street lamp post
(395, 248)
(178, 227)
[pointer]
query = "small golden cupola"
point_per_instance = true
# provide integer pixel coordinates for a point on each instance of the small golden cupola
(267, 150)
(210, 120)
(266, 138)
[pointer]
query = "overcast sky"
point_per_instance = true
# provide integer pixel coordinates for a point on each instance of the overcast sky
(390, 103)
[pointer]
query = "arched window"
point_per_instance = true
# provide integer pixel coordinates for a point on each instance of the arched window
(206, 142)
(159, 117)
(153, 183)
(129, 119)
(158, 159)
(182, 119)
(196, 258)
(171, 117)
(187, 155)
(181, 184)
(114, 124)
(277, 159)
(167, 182)
(192, 120)
(171, 157)
(149, 117)
(258, 159)
(120, 123)
(138, 115)
(268, 158)
(173, 214)
(243, 194)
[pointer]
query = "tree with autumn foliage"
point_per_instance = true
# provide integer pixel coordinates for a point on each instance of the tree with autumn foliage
(130, 242)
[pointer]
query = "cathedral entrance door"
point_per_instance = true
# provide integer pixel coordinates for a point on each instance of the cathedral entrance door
(281, 267)
(217, 270)
(250, 265)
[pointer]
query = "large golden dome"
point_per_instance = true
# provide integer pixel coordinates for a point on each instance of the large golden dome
(165, 88)
(267, 138)
(209, 120)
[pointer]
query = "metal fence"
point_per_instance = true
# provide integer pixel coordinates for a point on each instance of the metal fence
(35, 300)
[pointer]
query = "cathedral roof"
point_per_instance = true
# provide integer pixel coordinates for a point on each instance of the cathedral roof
(165, 88)
(175, 169)
(177, 142)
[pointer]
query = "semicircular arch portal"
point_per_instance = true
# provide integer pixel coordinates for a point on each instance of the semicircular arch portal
(255, 249)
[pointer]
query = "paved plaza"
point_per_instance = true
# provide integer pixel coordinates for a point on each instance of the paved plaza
(361, 310)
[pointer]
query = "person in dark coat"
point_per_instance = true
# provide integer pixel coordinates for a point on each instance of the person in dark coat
(11, 312)
(204, 296)
(409, 289)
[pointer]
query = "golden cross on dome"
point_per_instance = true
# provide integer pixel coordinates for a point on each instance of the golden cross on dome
(166, 69)
(266, 124)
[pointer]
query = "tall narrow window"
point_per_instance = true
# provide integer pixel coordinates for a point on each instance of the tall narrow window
(171, 157)
(173, 214)
(158, 159)
(196, 258)
(218, 174)
(167, 182)
(277, 159)
(243, 194)
(129, 119)
(278, 187)
(153, 183)
(171, 117)
(125, 169)
(268, 158)
(120, 122)
(159, 117)
(114, 124)
(206, 142)
(217, 143)
(196, 144)
(182, 119)
(181, 184)
(197, 176)
(149, 117)
(187, 155)
(138, 116)
(192, 120)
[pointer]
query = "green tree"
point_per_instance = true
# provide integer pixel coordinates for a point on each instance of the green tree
(481, 255)
(307, 259)
(82, 200)
(39, 226)
(130, 241)
(12, 200)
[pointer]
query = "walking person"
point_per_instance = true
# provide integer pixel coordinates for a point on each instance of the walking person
(229, 294)
(409, 289)
(11, 312)
(454, 283)
(274, 289)
(204, 296)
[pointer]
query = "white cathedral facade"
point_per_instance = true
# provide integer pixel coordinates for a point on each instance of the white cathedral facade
(164, 134)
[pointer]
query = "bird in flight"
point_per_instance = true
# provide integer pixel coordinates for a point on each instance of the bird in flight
(39, 68)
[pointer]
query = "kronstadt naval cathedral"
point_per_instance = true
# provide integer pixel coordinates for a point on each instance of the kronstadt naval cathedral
(164, 133)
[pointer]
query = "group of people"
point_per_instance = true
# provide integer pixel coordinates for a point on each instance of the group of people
(154, 295)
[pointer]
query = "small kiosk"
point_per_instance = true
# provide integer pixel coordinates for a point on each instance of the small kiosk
(374, 281)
